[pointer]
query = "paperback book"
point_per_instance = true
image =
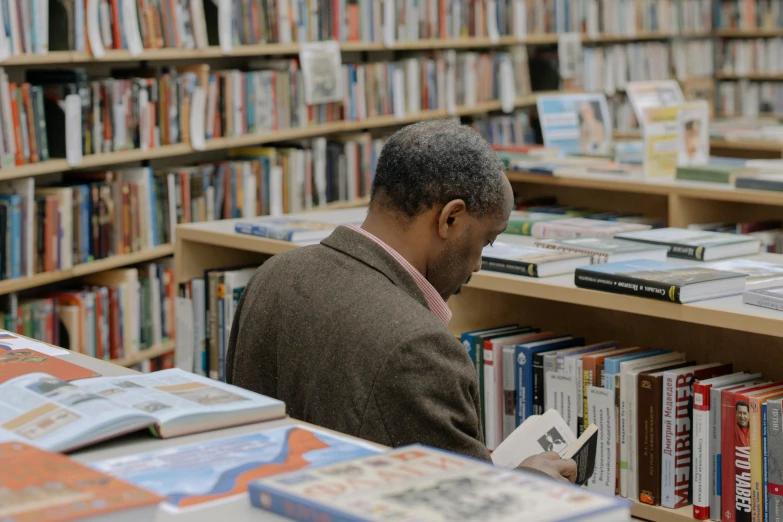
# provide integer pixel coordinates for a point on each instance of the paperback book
(213, 471)
(660, 280)
(525, 223)
(606, 250)
(61, 416)
(421, 483)
(530, 261)
(697, 245)
(771, 297)
(286, 229)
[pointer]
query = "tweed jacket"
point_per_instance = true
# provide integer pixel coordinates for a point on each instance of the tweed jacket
(342, 334)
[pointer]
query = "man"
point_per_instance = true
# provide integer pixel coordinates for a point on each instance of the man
(742, 430)
(352, 333)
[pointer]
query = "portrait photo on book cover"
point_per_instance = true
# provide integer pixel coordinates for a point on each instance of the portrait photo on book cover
(552, 440)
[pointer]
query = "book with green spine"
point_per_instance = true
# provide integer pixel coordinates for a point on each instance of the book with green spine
(713, 173)
(522, 222)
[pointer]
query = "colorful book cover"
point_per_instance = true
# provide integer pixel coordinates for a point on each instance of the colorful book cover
(50, 487)
(14, 363)
(661, 140)
(773, 465)
(421, 483)
(217, 470)
(576, 122)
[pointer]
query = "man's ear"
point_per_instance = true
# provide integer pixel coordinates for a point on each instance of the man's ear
(451, 218)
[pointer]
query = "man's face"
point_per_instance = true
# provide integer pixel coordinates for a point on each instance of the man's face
(461, 256)
(742, 416)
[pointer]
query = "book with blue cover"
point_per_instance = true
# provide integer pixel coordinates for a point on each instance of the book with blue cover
(202, 473)
(662, 280)
(421, 483)
(286, 229)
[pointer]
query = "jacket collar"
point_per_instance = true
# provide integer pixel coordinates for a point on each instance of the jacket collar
(365, 250)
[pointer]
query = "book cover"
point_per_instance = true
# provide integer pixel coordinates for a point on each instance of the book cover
(652, 279)
(529, 261)
(14, 363)
(421, 483)
(54, 488)
(601, 404)
(211, 471)
(767, 297)
(773, 469)
(604, 249)
(286, 229)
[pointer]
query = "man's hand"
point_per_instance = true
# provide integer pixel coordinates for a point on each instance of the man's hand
(551, 464)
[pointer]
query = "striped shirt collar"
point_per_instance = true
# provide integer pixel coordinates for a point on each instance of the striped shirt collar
(436, 303)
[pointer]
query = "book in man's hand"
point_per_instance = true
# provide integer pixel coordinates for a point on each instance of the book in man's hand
(530, 261)
(286, 229)
(549, 432)
(697, 245)
(49, 487)
(56, 415)
(661, 280)
(421, 483)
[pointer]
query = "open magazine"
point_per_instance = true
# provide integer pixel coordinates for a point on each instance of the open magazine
(61, 416)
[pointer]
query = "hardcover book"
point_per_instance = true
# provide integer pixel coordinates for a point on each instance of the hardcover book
(773, 466)
(50, 487)
(660, 280)
(421, 483)
(606, 250)
(524, 223)
(771, 297)
(530, 261)
(697, 245)
(583, 227)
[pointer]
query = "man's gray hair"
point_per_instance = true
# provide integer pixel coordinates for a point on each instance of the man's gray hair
(436, 161)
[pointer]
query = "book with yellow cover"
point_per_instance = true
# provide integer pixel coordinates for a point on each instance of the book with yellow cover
(54, 488)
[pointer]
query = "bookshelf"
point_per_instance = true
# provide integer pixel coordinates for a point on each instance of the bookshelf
(719, 329)
(149, 353)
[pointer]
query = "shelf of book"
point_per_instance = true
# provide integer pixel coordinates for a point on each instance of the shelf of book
(754, 77)
(46, 278)
(144, 355)
(182, 149)
(749, 33)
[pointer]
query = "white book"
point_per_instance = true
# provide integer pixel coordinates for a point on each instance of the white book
(547, 432)
(232, 280)
(601, 405)
(560, 396)
(700, 439)
(185, 354)
(629, 413)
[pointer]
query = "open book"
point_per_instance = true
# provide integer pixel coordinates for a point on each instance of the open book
(61, 416)
(549, 432)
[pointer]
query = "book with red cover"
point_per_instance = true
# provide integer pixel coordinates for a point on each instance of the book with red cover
(734, 435)
(50, 487)
(14, 363)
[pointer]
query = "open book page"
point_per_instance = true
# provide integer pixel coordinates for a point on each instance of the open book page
(172, 394)
(58, 416)
(547, 432)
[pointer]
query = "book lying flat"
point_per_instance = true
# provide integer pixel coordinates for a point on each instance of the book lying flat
(606, 249)
(770, 297)
(422, 483)
(524, 223)
(697, 245)
(50, 487)
(216, 470)
(61, 416)
(14, 363)
(530, 261)
(286, 229)
(549, 432)
(583, 227)
(661, 280)
(755, 270)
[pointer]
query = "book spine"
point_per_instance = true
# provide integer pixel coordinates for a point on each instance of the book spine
(478, 351)
(490, 422)
(510, 267)
(728, 508)
(538, 384)
(650, 391)
(580, 397)
(755, 299)
(701, 451)
(619, 284)
(756, 462)
(774, 489)
(221, 311)
(716, 432)
(297, 508)
(765, 461)
(676, 479)
(509, 392)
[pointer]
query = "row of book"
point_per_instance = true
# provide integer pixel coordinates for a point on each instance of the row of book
(673, 431)
(752, 56)
(748, 14)
(514, 129)
(748, 99)
(93, 216)
(114, 315)
(609, 68)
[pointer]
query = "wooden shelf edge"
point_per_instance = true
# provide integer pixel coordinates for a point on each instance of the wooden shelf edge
(662, 514)
(183, 149)
(47, 278)
(748, 33)
(143, 355)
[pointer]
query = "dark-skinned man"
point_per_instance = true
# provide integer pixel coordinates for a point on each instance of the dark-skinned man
(352, 333)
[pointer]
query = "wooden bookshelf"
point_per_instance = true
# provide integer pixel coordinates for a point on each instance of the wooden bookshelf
(93, 161)
(754, 77)
(719, 329)
(145, 355)
(46, 278)
(748, 33)
(746, 148)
